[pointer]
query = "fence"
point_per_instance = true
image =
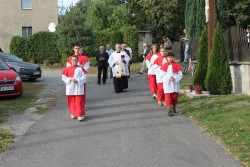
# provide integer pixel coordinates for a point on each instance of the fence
(237, 48)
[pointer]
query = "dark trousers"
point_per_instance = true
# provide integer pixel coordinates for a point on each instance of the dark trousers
(102, 71)
(120, 83)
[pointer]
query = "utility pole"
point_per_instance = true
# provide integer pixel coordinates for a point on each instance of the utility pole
(211, 21)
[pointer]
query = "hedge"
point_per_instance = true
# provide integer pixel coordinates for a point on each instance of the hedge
(218, 80)
(130, 36)
(44, 47)
(40, 47)
(20, 47)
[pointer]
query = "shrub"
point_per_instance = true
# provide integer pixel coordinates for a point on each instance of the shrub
(218, 79)
(130, 35)
(44, 47)
(93, 61)
(115, 37)
(20, 46)
(202, 60)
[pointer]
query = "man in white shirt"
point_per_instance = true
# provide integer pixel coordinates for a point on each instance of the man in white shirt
(144, 54)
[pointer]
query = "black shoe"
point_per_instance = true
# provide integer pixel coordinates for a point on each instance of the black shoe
(174, 109)
(104, 82)
(170, 113)
(140, 73)
(98, 83)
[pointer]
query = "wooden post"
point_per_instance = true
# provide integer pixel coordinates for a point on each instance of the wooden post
(211, 23)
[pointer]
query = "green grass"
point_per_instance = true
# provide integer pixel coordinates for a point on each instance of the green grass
(226, 118)
(186, 81)
(17, 106)
(6, 139)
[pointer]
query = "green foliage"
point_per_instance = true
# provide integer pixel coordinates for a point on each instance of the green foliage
(116, 37)
(44, 47)
(93, 61)
(236, 12)
(161, 17)
(195, 18)
(98, 13)
(202, 60)
(101, 38)
(20, 47)
(40, 47)
(130, 35)
(218, 79)
(71, 29)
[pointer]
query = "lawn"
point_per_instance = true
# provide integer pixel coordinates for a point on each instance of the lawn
(17, 106)
(226, 118)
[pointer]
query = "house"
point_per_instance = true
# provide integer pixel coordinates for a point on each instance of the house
(24, 18)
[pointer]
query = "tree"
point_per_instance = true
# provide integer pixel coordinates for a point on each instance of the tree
(98, 13)
(202, 60)
(160, 16)
(236, 12)
(218, 79)
(71, 29)
(195, 18)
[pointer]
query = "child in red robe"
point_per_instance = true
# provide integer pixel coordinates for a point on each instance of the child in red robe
(74, 78)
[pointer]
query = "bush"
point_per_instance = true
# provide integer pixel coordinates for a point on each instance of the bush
(101, 38)
(93, 61)
(115, 37)
(202, 60)
(44, 47)
(218, 79)
(20, 46)
(130, 35)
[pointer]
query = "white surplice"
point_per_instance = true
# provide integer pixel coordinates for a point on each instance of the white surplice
(168, 85)
(75, 73)
(117, 69)
(150, 64)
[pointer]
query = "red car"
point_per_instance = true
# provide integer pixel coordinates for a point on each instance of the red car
(10, 82)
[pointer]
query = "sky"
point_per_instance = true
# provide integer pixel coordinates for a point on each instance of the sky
(67, 3)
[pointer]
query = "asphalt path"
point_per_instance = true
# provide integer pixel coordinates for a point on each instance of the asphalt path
(120, 130)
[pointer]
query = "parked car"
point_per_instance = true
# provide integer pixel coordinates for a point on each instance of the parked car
(10, 82)
(25, 70)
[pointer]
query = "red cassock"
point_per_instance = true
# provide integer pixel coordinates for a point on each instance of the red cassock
(171, 89)
(161, 60)
(75, 91)
(83, 61)
(150, 58)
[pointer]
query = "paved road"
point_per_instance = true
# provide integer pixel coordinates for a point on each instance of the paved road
(121, 130)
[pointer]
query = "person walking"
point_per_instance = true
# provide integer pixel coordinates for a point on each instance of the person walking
(109, 50)
(171, 77)
(167, 42)
(161, 60)
(145, 52)
(102, 59)
(150, 59)
(187, 46)
(74, 77)
(119, 61)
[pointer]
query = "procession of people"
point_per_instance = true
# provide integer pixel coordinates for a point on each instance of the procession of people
(164, 74)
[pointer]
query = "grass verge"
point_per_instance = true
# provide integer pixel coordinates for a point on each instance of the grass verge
(226, 118)
(17, 105)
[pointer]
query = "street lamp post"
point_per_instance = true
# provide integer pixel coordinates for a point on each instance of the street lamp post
(211, 21)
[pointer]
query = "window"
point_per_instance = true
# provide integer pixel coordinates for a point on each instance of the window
(26, 31)
(26, 4)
